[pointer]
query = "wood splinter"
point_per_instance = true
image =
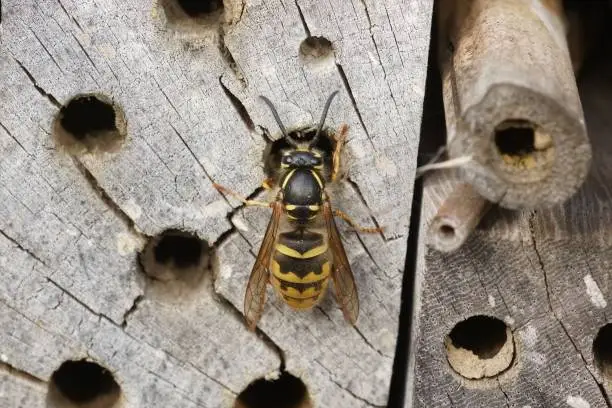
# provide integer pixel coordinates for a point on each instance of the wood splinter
(457, 218)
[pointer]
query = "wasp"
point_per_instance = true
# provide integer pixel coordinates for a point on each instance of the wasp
(302, 249)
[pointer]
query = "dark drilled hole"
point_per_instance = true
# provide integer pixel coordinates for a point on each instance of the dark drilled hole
(182, 249)
(602, 350)
(483, 335)
(273, 152)
(90, 122)
(80, 382)
(515, 138)
(316, 48)
(87, 115)
(287, 391)
(199, 8)
(175, 255)
(447, 231)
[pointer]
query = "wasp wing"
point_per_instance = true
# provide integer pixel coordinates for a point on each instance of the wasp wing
(344, 282)
(255, 296)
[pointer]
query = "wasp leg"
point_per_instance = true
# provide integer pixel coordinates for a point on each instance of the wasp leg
(268, 183)
(349, 221)
(340, 139)
(237, 196)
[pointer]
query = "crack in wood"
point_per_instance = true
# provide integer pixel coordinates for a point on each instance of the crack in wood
(124, 330)
(229, 59)
(69, 15)
(14, 138)
(39, 89)
(503, 392)
(382, 66)
(263, 336)
(302, 19)
(131, 310)
(21, 247)
(106, 198)
(554, 314)
(354, 102)
(366, 341)
(14, 371)
(357, 190)
(351, 393)
(238, 105)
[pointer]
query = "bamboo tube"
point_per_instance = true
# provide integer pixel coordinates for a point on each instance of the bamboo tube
(457, 218)
(511, 101)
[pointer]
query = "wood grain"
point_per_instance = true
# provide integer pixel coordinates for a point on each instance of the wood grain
(545, 273)
(72, 227)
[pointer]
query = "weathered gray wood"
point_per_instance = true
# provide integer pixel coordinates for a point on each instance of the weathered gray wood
(546, 274)
(72, 227)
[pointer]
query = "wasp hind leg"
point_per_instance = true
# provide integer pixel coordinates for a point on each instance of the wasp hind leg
(349, 221)
(340, 139)
(244, 200)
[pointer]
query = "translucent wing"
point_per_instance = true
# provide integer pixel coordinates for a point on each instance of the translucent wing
(255, 296)
(344, 282)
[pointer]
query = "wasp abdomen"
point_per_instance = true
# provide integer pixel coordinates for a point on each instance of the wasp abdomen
(300, 267)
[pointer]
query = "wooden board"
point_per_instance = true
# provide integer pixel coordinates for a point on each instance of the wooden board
(71, 227)
(545, 273)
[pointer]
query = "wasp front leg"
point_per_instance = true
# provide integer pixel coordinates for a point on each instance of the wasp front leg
(268, 183)
(340, 139)
(349, 221)
(244, 200)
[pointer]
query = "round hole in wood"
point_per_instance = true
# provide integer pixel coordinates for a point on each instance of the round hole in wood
(82, 383)
(90, 122)
(447, 231)
(193, 14)
(316, 48)
(480, 347)
(523, 145)
(274, 150)
(285, 391)
(602, 351)
(199, 8)
(176, 255)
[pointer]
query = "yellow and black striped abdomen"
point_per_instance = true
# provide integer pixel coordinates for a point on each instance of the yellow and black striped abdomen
(300, 267)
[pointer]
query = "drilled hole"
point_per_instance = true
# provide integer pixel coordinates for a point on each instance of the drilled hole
(175, 255)
(81, 383)
(447, 231)
(286, 391)
(187, 12)
(602, 351)
(479, 347)
(198, 8)
(316, 48)
(523, 144)
(90, 122)
(515, 140)
(273, 152)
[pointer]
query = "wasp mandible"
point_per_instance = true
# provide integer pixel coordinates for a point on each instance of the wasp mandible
(302, 248)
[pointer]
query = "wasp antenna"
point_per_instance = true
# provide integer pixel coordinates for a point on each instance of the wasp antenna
(278, 120)
(323, 116)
